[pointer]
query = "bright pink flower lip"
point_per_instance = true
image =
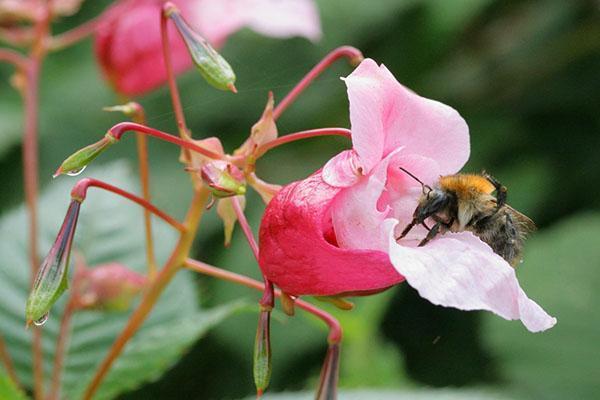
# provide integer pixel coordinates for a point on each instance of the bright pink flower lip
(129, 50)
(367, 197)
(296, 255)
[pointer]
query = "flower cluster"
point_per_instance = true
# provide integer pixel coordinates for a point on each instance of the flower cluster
(350, 212)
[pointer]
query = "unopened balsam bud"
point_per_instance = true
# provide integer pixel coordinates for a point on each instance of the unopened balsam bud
(51, 279)
(76, 162)
(223, 179)
(212, 66)
(107, 287)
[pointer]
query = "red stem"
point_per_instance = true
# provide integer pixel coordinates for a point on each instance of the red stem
(335, 329)
(30, 173)
(79, 192)
(245, 226)
(84, 30)
(261, 150)
(174, 91)
(118, 130)
(7, 362)
(267, 299)
(14, 57)
(60, 349)
(352, 54)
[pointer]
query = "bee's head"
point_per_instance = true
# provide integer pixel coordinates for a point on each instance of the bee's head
(432, 201)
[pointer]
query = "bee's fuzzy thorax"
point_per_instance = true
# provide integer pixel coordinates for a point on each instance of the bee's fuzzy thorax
(466, 185)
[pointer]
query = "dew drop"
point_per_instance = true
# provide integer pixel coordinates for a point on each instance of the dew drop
(75, 172)
(41, 321)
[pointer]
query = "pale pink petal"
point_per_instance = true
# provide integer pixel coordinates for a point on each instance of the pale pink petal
(218, 19)
(343, 170)
(367, 96)
(459, 270)
(402, 191)
(357, 214)
(298, 250)
(385, 115)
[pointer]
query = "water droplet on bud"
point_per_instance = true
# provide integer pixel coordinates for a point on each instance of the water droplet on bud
(41, 321)
(75, 172)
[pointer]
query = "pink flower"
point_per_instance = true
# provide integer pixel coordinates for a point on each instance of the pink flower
(128, 45)
(334, 232)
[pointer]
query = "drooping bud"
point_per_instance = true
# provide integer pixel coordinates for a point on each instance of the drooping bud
(51, 279)
(227, 213)
(76, 163)
(212, 66)
(109, 287)
(224, 179)
(262, 352)
(329, 374)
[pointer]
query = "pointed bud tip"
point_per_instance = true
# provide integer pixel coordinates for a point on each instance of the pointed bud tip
(232, 87)
(58, 172)
(259, 393)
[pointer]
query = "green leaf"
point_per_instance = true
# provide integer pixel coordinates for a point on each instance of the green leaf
(560, 272)
(432, 394)
(109, 230)
(155, 350)
(8, 390)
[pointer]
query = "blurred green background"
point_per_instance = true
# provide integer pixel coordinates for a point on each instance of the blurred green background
(526, 77)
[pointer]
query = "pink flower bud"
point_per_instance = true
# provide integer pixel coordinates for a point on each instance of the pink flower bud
(109, 287)
(224, 179)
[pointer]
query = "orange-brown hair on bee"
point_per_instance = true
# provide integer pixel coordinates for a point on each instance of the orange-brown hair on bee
(466, 202)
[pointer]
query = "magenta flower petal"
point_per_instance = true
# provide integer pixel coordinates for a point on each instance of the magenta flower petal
(296, 256)
(129, 49)
(385, 115)
(459, 270)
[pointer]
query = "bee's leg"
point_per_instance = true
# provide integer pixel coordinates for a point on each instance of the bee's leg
(407, 229)
(432, 233)
(501, 191)
(425, 226)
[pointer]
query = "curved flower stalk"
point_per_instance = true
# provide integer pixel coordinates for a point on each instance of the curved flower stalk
(128, 45)
(334, 232)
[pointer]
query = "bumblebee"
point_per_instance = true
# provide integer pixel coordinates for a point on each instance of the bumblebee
(466, 202)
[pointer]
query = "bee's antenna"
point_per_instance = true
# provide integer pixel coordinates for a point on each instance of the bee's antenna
(424, 186)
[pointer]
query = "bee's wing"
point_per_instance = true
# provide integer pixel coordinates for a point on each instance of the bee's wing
(526, 224)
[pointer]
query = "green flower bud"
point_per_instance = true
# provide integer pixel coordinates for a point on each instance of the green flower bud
(212, 66)
(262, 353)
(51, 279)
(76, 163)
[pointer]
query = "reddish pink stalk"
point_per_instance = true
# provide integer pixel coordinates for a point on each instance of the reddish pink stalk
(7, 363)
(79, 192)
(352, 54)
(118, 130)
(61, 344)
(245, 226)
(261, 150)
(13, 57)
(30, 172)
(267, 299)
(80, 32)
(173, 90)
(335, 329)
